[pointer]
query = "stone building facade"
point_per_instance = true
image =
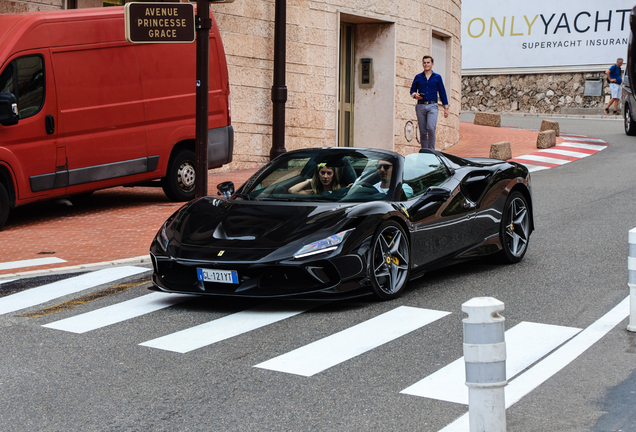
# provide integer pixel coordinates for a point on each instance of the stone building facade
(533, 93)
(327, 43)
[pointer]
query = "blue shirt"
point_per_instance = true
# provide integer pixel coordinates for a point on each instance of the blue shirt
(615, 72)
(429, 88)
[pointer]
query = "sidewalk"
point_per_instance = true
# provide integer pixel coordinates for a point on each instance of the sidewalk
(118, 224)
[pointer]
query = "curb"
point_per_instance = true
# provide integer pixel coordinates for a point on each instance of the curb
(135, 260)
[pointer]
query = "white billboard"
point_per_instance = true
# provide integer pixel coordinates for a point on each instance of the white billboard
(505, 34)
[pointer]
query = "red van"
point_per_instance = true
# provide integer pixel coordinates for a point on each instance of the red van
(81, 109)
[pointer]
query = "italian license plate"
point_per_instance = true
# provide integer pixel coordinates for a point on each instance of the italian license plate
(218, 276)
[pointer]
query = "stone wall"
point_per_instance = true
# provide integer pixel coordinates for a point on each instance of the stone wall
(11, 6)
(247, 27)
(539, 93)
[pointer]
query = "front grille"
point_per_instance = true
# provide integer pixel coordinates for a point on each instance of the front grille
(287, 279)
(176, 274)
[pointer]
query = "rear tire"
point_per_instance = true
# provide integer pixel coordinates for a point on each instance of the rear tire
(514, 230)
(630, 124)
(4, 205)
(178, 184)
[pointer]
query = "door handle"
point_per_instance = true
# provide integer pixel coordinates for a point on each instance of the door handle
(49, 123)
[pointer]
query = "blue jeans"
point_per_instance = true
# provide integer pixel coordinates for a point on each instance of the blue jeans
(427, 121)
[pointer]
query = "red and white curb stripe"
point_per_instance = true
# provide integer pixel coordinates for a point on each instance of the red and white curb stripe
(574, 147)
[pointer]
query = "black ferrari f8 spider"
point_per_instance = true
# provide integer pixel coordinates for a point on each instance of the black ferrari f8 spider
(344, 222)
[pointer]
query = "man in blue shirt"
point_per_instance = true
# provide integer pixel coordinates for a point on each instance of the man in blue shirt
(425, 88)
(614, 78)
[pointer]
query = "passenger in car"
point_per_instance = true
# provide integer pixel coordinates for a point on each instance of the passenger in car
(385, 170)
(325, 179)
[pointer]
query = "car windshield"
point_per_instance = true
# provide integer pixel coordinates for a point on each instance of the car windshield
(354, 175)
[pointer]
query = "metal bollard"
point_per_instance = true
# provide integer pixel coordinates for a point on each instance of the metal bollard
(485, 358)
(631, 280)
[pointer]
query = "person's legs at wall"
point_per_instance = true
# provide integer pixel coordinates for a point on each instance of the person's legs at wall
(420, 112)
(431, 124)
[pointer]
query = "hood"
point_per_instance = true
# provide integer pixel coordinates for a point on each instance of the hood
(254, 224)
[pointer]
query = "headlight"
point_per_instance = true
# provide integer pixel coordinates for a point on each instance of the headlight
(162, 238)
(325, 245)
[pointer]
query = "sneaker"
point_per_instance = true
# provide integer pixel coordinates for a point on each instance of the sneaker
(616, 113)
(606, 111)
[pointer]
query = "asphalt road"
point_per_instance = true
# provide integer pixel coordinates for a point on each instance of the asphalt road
(575, 271)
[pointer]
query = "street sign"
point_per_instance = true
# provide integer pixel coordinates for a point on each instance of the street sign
(159, 22)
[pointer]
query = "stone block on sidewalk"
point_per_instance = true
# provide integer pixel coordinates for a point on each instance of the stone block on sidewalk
(546, 139)
(487, 119)
(501, 150)
(550, 125)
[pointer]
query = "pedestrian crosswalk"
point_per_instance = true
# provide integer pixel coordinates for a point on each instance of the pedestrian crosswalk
(535, 351)
(573, 148)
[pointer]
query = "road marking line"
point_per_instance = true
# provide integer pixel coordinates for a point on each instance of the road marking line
(538, 158)
(525, 344)
(571, 154)
(229, 326)
(116, 313)
(583, 146)
(45, 293)
(337, 348)
(30, 263)
(546, 368)
(7, 280)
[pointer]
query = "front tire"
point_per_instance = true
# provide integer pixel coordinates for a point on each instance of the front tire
(178, 184)
(630, 125)
(514, 231)
(389, 261)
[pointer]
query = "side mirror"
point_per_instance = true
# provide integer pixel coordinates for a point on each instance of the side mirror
(226, 189)
(631, 49)
(432, 195)
(8, 109)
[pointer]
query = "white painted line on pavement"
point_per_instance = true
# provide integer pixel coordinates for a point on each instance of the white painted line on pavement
(116, 313)
(229, 326)
(535, 157)
(583, 146)
(582, 138)
(546, 368)
(7, 281)
(30, 263)
(525, 344)
(45, 293)
(533, 168)
(337, 348)
(563, 152)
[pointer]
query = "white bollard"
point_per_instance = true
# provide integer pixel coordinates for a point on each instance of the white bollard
(485, 358)
(631, 280)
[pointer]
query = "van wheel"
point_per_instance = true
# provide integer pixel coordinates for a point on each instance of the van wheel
(178, 184)
(4, 205)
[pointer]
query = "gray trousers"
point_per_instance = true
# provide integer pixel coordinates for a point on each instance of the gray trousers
(427, 121)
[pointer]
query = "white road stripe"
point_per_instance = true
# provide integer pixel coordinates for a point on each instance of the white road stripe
(581, 138)
(564, 152)
(7, 281)
(30, 263)
(583, 146)
(332, 350)
(546, 368)
(537, 158)
(45, 293)
(229, 326)
(118, 312)
(525, 344)
(533, 168)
